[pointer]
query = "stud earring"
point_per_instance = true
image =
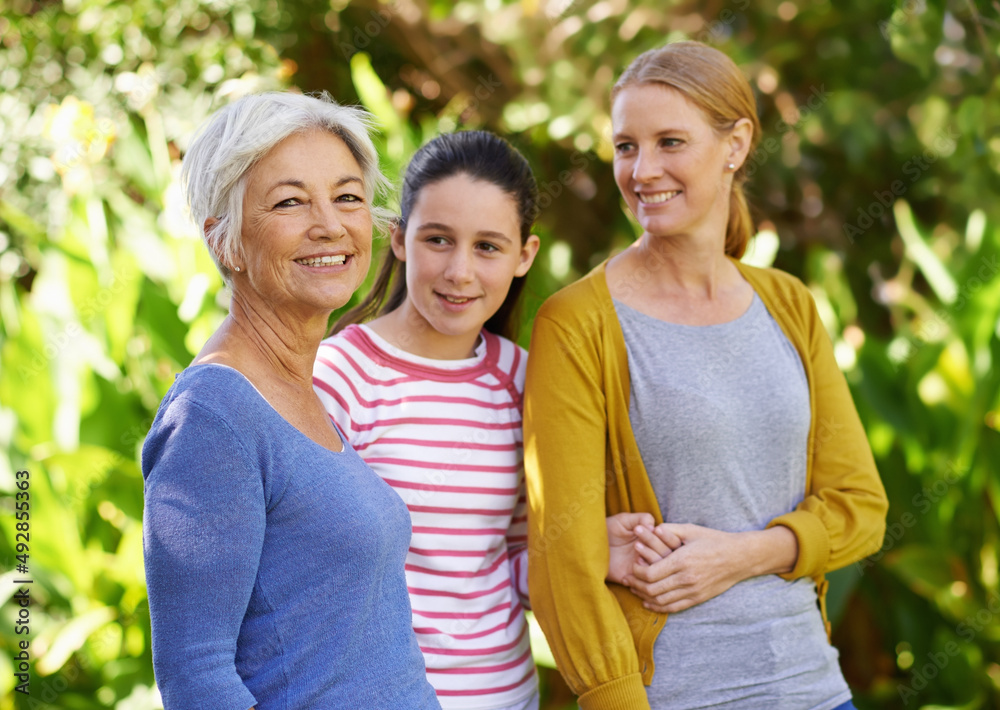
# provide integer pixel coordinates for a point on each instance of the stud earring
(238, 268)
(731, 166)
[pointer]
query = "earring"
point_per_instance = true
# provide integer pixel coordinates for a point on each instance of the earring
(731, 166)
(238, 268)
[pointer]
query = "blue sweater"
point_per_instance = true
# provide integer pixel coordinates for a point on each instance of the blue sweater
(274, 566)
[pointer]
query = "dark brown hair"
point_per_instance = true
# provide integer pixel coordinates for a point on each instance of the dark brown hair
(482, 156)
(713, 82)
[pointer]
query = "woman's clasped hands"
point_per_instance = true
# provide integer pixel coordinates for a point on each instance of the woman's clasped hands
(678, 565)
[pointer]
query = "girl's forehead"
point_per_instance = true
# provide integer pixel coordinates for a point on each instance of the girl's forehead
(456, 191)
(467, 202)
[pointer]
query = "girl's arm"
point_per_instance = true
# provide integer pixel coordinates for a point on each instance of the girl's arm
(517, 547)
(623, 535)
(565, 430)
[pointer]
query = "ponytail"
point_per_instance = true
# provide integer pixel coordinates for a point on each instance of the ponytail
(740, 227)
(386, 295)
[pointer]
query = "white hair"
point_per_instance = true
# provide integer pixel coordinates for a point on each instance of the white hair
(239, 135)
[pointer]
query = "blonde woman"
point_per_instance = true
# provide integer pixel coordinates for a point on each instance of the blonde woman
(678, 381)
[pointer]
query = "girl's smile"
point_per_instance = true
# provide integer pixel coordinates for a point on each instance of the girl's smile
(462, 248)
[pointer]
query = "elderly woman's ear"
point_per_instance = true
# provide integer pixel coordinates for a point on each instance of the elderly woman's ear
(212, 240)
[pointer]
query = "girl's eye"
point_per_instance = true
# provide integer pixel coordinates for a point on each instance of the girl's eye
(436, 240)
(488, 247)
(623, 147)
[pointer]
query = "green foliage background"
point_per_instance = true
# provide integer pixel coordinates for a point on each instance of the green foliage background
(876, 185)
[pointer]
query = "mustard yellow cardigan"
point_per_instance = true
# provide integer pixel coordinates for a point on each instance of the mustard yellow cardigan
(582, 464)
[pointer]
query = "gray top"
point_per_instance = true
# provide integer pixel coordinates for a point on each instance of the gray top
(721, 416)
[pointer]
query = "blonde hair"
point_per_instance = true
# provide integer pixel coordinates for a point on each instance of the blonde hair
(713, 82)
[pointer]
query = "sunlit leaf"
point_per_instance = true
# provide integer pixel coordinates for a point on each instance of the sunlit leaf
(71, 636)
(917, 249)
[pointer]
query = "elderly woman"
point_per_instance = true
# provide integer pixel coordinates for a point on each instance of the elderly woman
(676, 380)
(274, 555)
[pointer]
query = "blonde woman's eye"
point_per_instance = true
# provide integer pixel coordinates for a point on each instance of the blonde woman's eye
(623, 147)
(350, 198)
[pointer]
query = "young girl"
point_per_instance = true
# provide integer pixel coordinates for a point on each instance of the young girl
(429, 393)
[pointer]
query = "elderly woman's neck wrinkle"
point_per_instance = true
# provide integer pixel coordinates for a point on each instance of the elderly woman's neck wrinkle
(284, 342)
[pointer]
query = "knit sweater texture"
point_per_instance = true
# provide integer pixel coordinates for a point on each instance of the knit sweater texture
(274, 566)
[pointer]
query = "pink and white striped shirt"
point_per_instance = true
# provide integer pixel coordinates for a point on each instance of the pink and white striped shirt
(446, 435)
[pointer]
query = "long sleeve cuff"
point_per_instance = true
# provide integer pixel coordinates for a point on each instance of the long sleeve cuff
(814, 543)
(625, 693)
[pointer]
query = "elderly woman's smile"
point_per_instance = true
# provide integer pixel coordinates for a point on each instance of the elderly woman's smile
(306, 223)
(325, 260)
